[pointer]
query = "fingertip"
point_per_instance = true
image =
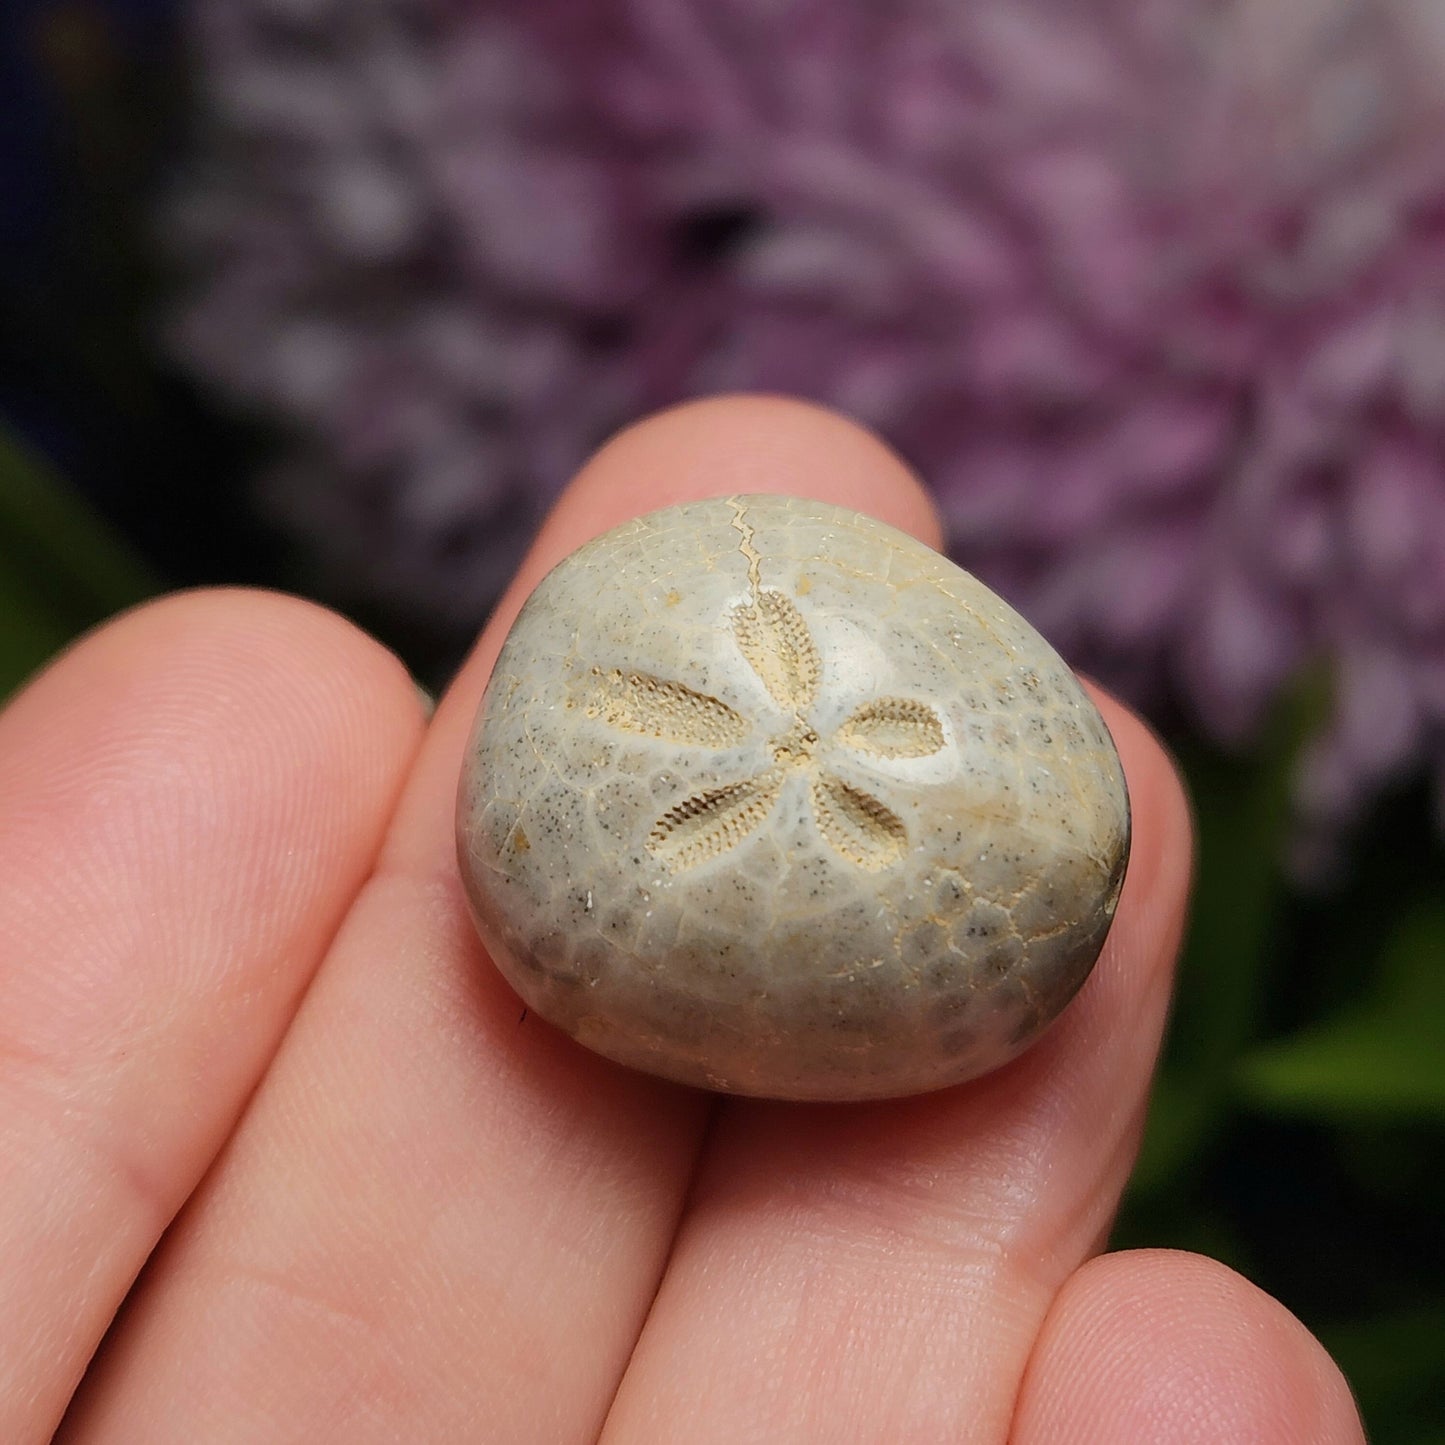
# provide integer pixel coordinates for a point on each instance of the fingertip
(234, 628)
(283, 631)
(753, 443)
(1170, 1348)
(720, 446)
(206, 772)
(200, 735)
(260, 694)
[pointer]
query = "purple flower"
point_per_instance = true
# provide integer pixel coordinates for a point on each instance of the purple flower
(365, 178)
(1152, 291)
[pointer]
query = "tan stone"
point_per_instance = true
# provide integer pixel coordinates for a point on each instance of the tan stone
(768, 797)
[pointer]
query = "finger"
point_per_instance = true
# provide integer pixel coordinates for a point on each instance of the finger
(1158, 1348)
(191, 798)
(879, 1273)
(439, 1220)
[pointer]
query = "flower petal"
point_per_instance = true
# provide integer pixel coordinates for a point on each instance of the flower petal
(893, 727)
(711, 822)
(778, 646)
(863, 829)
(637, 702)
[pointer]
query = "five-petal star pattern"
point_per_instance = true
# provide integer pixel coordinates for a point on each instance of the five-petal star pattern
(773, 637)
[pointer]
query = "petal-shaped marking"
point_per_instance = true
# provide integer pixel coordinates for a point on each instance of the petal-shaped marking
(777, 644)
(893, 727)
(863, 829)
(639, 703)
(709, 823)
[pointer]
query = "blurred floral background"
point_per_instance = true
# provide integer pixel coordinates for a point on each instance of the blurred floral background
(335, 294)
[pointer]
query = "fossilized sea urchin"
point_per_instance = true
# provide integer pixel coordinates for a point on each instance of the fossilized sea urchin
(768, 797)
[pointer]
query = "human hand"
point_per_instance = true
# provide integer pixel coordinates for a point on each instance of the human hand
(277, 1140)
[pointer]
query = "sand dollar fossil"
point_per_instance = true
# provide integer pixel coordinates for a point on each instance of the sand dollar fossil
(768, 797)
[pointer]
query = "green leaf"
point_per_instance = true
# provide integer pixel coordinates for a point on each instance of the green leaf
(1395, 1364)
(1384, 1058)
(61, 571)
(1241, 811)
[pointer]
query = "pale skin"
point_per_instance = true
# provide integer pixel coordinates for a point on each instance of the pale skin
(281, 1161)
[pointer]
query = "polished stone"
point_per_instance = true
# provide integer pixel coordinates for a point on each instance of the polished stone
(768, 797)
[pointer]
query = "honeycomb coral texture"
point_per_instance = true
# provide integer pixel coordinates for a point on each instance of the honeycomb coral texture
(767, 797)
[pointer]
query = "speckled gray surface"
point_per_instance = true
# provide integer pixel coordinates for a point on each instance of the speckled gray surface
(768, 797)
